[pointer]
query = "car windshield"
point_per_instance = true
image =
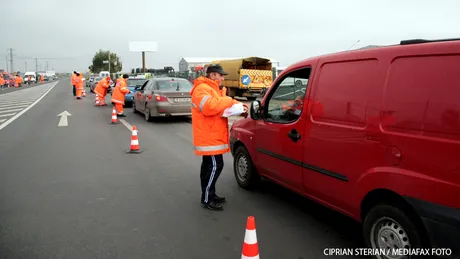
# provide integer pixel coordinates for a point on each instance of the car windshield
(174, 85)
(136, 82)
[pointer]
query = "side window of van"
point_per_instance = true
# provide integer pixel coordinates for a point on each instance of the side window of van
(285, 104)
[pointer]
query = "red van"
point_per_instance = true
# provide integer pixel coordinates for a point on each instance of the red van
(371, 133)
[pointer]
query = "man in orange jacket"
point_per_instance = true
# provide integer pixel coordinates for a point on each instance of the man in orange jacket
(118, 95)
(72, 82)
(2, 82)
(18, 81)
(210, 131)
(101, 90)
(79, 85)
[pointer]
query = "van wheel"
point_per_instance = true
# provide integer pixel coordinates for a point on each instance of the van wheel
(389, 227)
(245, 172)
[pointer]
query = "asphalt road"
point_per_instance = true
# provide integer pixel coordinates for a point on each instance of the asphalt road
(73, 192)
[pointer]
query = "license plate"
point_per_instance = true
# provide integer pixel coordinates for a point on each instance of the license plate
(181, 100)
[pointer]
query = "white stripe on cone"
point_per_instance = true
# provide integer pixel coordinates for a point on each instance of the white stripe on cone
(134, 142)
(246, 257)
(251, 237)
(134, 132)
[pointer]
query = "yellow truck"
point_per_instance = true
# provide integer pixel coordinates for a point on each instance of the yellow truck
(247, 77)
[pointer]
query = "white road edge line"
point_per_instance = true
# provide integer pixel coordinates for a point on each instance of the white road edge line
(127, 125)
(6, 123)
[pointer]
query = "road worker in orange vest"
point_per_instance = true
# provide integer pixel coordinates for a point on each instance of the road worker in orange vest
(101, 90)
(118, 95)
(79, 85)
(210, 131)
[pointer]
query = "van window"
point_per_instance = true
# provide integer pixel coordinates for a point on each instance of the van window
(343, 89)
(285, 104)
(422, 96)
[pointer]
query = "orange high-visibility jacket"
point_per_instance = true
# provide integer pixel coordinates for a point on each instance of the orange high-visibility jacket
(119, 92)
(79, 85)
(101, 87)
(210, 129)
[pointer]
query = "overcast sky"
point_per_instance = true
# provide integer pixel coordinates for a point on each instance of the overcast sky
(68, 33)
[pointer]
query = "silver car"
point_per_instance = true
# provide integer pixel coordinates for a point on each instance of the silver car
(163, 97)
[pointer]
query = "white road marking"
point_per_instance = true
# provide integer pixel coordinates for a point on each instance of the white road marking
(14, 106)
(10, 110)
(7, 115)
(10, 120)
(63, 121)
(127, 125)
(2, 120)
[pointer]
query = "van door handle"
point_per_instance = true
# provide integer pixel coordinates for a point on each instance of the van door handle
(294, 135)
(372, 138)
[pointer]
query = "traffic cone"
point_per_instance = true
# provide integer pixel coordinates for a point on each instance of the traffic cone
(250, 246)
(134, 147)
(84, 93)
(114, 116)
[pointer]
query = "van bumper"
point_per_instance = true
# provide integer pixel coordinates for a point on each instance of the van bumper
(442, 224)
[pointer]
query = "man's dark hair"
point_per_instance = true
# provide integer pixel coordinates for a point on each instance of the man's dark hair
(125, 76)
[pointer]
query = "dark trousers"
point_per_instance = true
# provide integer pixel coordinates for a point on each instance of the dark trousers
(211, 167)
(74, 91)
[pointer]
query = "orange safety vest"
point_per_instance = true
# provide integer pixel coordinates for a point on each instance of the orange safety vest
(101, 87)
(210, 129)
(119, 92)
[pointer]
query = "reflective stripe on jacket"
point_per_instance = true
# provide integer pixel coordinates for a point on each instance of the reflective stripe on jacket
(210, 129)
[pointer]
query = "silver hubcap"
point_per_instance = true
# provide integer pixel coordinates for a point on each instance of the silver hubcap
(242, 168)
(388, 234)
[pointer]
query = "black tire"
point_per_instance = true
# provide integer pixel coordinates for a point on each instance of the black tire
(242, 162)
(147, 115)
(400, 226)
(134, 107)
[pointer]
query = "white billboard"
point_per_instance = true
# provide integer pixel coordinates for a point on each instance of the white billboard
(143, 46)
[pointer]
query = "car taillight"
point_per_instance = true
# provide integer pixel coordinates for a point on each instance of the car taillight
(161, 98)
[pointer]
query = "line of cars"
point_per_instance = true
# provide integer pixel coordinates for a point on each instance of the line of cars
(154, 97)
(10, 78)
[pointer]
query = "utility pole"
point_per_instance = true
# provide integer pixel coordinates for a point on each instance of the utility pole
(11, 60)
(109, 62)
(25, 66)
(36, 64)
(46, 66)
(6, 62)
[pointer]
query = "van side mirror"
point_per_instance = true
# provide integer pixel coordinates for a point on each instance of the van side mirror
(255, 110)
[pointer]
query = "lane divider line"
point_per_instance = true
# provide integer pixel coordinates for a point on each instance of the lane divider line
(127, 125)
(6, 123)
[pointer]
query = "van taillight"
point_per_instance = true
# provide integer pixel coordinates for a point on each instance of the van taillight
(161, 98)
